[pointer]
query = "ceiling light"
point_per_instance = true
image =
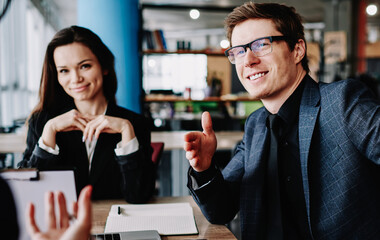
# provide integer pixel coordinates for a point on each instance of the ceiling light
(224, 43)
(371, 9)
(194, 13)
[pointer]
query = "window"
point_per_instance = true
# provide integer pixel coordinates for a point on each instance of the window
(24, 35)
(175, 72)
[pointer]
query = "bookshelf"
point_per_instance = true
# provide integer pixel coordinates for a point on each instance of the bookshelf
(173, 98)
(183, 53)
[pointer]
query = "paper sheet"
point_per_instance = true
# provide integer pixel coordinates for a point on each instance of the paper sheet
(167, 219)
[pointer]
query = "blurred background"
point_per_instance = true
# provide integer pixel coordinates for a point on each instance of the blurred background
(171, 66)
(177, 51)
(169, 55)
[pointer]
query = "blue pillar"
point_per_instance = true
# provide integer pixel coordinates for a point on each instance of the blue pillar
(117, 23)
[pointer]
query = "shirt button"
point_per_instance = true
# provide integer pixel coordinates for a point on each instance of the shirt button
(288, 178)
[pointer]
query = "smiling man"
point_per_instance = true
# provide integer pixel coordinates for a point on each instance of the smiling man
(308, 164)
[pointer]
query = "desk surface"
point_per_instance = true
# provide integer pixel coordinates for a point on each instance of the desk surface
(206, 230)
(173, 140)
(12, 142)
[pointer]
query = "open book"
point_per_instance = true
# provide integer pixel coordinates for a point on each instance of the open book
(167, 219)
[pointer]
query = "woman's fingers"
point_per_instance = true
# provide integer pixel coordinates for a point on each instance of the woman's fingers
(80, 123)
(91, 128)
(63, 214)
(31, 225)
(100, 124)
(84, 205)
(75, 209)
(100, 129)
(49, 211)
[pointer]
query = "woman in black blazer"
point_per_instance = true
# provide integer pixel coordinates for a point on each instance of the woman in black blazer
(77, 123)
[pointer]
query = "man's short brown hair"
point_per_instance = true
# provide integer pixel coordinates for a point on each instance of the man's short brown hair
(285, 18)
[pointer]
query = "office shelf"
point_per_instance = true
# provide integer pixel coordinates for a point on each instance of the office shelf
(207, 52)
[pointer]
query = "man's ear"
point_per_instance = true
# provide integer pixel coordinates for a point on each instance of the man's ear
(299, 51)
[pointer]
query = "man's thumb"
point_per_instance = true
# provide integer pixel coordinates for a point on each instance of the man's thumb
(207, 123)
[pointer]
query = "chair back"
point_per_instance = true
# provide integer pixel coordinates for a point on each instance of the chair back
(158, 148)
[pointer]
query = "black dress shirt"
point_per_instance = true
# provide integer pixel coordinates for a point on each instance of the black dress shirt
(294, 217)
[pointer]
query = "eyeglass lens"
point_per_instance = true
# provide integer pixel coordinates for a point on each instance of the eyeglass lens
(259, 47)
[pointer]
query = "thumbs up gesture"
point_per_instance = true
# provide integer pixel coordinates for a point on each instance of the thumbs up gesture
(201, 146)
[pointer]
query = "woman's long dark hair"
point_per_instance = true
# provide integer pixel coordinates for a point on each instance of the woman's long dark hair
(52, 97)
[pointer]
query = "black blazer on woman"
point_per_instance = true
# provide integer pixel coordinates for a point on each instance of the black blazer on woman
(130, 176)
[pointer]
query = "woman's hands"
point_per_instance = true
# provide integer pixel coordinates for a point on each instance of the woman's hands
(69, 121)
(108, 124)
(90, 125)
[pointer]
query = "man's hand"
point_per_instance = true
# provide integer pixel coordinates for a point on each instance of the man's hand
(79, 230)
(201, 146)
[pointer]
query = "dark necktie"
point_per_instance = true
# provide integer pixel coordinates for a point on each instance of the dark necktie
(274, 223)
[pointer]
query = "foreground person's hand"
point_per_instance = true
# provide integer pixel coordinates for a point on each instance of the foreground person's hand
(79, 230)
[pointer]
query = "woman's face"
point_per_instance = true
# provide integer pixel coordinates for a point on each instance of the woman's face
(79, 72)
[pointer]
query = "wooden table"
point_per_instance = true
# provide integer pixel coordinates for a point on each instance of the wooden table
(174, 139)
(206, 230)
(16, 142)
(12, 142)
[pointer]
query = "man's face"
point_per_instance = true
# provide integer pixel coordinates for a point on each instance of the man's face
(272, 76)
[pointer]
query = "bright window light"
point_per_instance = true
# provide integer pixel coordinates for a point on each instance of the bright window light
(151, 63)
(194, 14)
(224, 43)
(175, 72)
(371, 9)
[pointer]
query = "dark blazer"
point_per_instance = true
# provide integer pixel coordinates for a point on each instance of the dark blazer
(131, 176)
(339, 140)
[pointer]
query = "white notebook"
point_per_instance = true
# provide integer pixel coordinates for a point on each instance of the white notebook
(167, 219)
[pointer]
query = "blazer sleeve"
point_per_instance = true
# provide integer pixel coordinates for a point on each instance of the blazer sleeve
(137, 169)
(34, 156)
(219, 198)
(361, 118)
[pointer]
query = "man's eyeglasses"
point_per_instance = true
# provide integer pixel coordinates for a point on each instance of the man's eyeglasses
(259, 47)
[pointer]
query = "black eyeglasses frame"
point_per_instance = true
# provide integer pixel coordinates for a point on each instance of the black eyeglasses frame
(248, 45)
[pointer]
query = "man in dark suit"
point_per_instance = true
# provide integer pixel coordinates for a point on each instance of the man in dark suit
(308, 164)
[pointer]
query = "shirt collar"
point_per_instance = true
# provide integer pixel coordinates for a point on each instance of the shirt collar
(289, 110)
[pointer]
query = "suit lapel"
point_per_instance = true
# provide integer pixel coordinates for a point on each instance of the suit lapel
(309, 110)
(256, 165)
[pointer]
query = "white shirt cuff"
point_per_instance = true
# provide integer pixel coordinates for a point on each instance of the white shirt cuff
(131, 147)
(54, 151)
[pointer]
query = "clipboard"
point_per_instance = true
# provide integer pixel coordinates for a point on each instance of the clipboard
(30, 185)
